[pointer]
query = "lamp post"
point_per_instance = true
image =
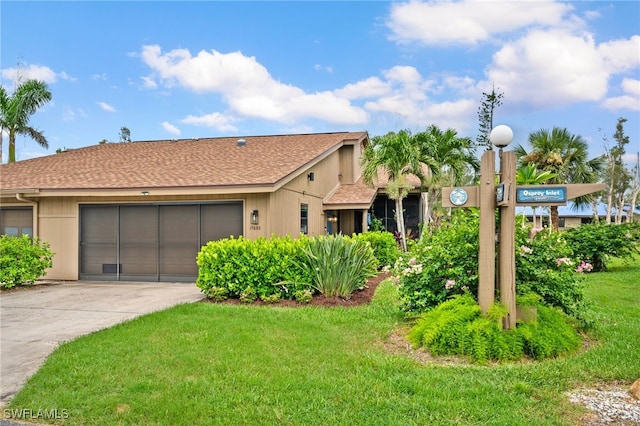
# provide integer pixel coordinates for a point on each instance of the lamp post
(501, 136)
(486, 197)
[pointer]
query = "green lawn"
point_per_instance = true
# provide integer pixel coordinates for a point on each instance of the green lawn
(246, 365)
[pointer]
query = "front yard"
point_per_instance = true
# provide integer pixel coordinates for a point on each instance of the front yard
(235, 364)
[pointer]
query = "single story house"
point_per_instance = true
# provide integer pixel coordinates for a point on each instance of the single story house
(140, 211)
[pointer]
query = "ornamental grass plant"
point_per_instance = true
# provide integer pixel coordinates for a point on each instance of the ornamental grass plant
(339, 265)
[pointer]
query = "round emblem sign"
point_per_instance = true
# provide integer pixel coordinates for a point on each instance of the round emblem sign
(458, 197)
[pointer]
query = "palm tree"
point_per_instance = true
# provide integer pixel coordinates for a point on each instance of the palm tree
(397, 155)
(530, 175)
(16, 109)
(449, 159)
(564, 155)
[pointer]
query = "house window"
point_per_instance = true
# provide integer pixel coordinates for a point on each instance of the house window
(16, 221)
(304, 218)
(561, 222)
(11, 231)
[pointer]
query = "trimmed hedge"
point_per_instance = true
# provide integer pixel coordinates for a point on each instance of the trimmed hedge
(238, 264)
(282, 268)
(384, 245)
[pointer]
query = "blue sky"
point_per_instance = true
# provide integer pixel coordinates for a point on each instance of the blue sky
(206, 69)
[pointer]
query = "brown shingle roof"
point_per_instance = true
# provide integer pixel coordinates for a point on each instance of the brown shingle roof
(352, 196)
(210, 162)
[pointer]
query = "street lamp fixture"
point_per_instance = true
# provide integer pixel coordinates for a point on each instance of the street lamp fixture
(501, 136)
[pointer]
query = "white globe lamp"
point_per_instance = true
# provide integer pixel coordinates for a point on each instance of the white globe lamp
(501, 136)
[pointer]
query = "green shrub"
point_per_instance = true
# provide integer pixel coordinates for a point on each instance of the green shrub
(441, 265)
(248, 295)
(23, 259)
(338, 265)
(545, 266)
(303, 296)
(272, 298)
(457, 327)
(217, 294)
(595, 244)
(238, 263)
(384, 245)
(445, 264)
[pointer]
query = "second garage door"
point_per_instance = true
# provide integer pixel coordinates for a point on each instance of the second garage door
(152, 242)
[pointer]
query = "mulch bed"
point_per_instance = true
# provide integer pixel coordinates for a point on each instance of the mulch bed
(358, 298)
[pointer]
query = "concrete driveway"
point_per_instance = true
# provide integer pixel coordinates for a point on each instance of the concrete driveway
(33, 322)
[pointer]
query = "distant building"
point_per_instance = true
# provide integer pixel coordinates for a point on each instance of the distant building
(572, 215)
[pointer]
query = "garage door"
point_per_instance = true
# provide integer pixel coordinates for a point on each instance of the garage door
(154, 242)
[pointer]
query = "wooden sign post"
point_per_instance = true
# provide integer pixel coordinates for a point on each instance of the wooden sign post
(506, 196)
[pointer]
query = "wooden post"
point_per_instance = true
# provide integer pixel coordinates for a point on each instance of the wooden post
(506, 250)
(487, 248)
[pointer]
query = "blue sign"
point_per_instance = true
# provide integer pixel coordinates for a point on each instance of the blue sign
(458, 197)
(541, 194)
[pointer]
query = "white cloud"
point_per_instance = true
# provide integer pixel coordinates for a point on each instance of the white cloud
(550, 68)
(70, 114)
(319, 67)
(105, 106)
(214, 120)
(368, 88)
(148, 83)
(630, 100)
(247, 87)
(470, 21)
(170, 128)
(631, 86)
(102, 76)
(621, 55)
(617, 103)
(35, 72)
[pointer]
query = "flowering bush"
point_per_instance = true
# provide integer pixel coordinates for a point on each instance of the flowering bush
(440, 266)
(546, 267)
(595, 244)
(445, 264)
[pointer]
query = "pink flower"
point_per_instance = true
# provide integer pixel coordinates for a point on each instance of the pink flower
(534, 231)
(525, 250)
(563, 261)
(584, 267)
(450, 284)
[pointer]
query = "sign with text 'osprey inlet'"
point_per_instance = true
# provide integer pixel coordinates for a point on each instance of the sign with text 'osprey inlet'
(541, 194)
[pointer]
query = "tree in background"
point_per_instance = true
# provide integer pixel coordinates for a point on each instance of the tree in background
(398, 156)
(16, 110)
(125, 134)
(450, 161)
(635, 189)
(490, 101)
(563, 154)
(617, 176)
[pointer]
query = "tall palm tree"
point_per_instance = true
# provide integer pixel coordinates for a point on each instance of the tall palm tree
(17, 108)
(397, 155)
(563, 154)
(449, 160)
